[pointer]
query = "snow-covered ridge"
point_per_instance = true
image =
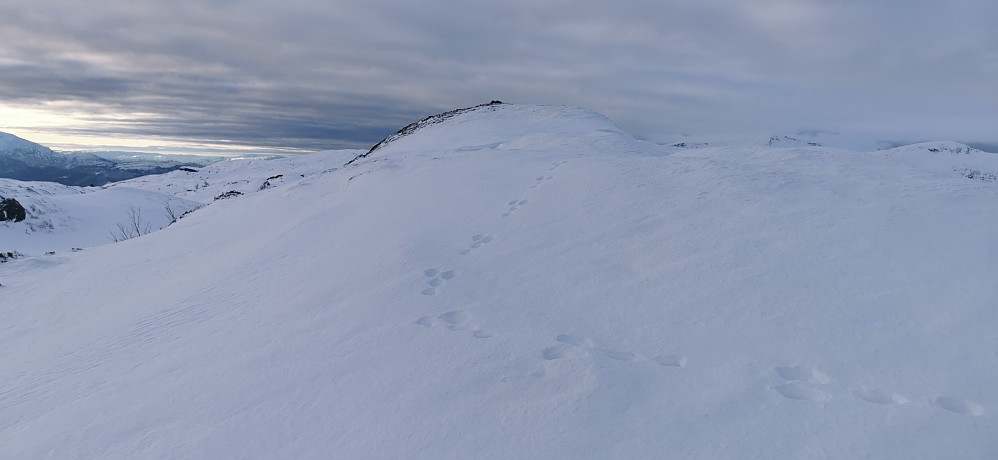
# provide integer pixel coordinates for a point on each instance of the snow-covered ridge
(503, 126)
(948, 157)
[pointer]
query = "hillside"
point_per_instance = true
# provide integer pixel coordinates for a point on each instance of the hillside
(61, 217)
(528, 282)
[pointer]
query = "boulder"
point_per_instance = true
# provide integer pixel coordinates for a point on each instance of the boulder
(11, 210)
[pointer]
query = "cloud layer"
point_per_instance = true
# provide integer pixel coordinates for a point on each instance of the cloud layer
(313, 74)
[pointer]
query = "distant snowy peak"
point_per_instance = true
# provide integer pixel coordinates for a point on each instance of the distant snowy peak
(13, 148)
(948, 157)
(788, 141)
(941, 147)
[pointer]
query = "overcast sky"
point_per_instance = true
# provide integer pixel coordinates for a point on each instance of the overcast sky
(322, 74)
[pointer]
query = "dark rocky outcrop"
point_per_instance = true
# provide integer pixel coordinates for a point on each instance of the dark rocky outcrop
(229, 194)
(11, 210)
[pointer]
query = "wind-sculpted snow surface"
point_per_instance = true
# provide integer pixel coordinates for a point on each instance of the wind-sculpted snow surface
(463, 293)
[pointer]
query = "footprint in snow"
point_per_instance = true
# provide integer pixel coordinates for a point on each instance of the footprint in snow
(803, 373)
(455, 320)
(805, 383)
(620, 355)
(513, 206)
(569, 340)
(552, 353)
(477, 241)
(540, 180)
(670, 360)
(436, 278)
(802, 391)
(576, 340)
(960, 406)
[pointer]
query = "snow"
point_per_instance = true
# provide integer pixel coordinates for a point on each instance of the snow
(64, 217)
(525, 282)
(14, 147)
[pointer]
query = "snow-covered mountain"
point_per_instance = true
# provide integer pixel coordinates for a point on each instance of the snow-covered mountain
(27, 161)
(525, 282)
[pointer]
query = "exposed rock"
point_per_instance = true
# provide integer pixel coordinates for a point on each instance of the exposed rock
(229, 194)
(11, 210)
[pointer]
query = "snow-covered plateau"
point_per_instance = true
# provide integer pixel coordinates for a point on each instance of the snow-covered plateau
(512, 281)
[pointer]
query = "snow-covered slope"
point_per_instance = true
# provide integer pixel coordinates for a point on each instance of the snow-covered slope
(527, 282)
(62, 217)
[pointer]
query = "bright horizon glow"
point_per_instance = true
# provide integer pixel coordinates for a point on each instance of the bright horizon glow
(49, 127)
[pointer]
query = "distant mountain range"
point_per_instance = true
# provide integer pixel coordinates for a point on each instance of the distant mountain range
(24, 160)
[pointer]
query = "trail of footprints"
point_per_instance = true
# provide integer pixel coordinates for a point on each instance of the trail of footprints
(801, 383)
(805, 383)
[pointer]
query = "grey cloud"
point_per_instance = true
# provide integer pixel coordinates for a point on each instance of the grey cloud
(308, 74)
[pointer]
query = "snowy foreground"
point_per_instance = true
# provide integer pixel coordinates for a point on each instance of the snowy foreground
(525, 282)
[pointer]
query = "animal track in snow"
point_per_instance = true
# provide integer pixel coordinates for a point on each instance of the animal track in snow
(436, 278)
(540, 180)
(960, 406)
(477, 241)
(455, 320)
(803, 392)
(803, 373)
(805, 381)
(620, 355)
(514, 205)
(586, 344)
(878, 396)
(551, 353)
(556, 164)
(806, 384)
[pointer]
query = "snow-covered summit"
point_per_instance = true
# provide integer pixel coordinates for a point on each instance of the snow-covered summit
(504, 127)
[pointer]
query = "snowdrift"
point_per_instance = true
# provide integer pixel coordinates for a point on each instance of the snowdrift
(527, 282)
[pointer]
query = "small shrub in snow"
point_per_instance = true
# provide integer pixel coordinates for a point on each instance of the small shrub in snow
(134, 227)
